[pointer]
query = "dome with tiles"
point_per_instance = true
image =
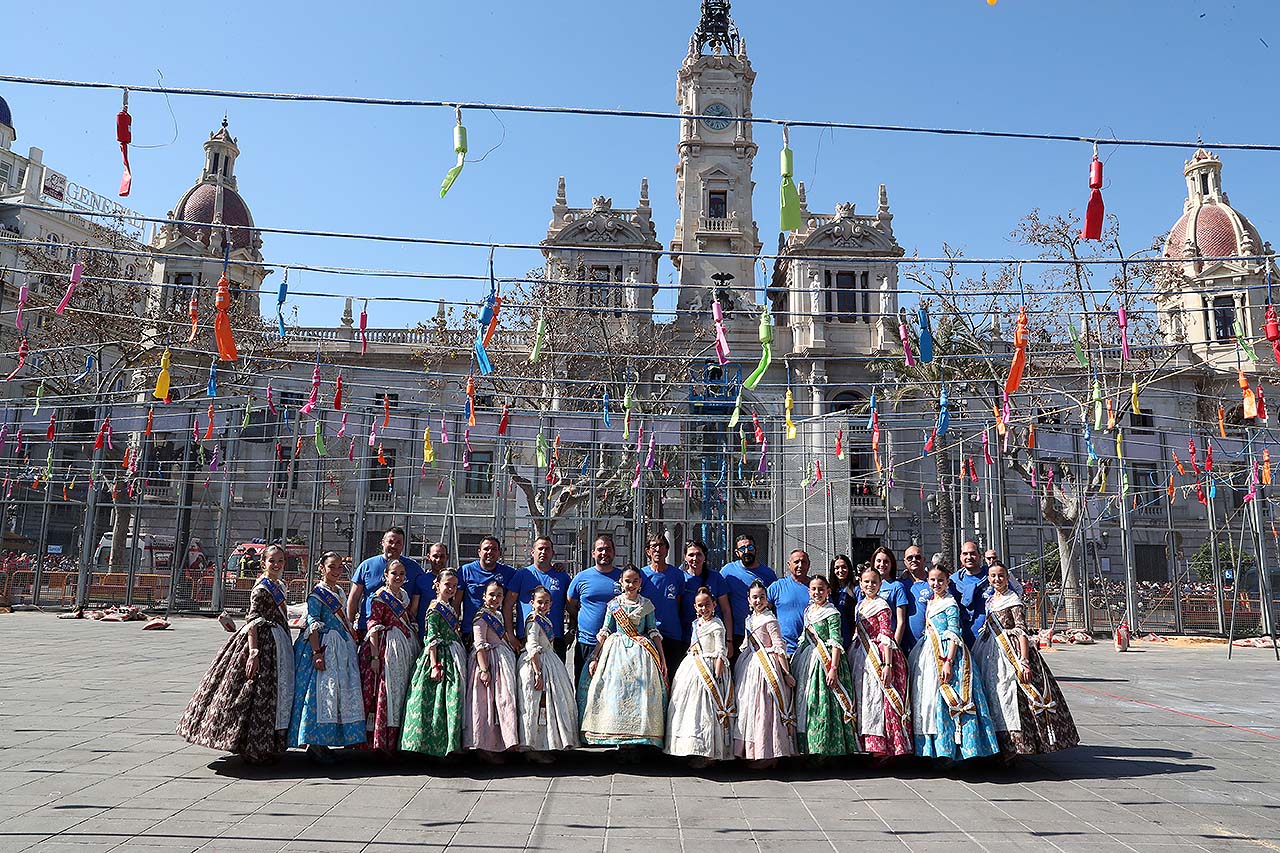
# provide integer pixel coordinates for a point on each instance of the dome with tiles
(1209, 227)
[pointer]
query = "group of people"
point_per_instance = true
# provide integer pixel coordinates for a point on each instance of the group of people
(708, 665)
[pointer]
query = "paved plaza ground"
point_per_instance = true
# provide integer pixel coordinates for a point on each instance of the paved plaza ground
(1181, 752)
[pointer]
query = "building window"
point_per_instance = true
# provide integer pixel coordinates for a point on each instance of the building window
(718, 204)
(598, 292)
(22, 176)
(1151, 563)
(1224, 318)
(1143, 421)
(393, 400)
(479, 480)
(6, 172)
(866, 297)
(1204, 183)
(846, 296)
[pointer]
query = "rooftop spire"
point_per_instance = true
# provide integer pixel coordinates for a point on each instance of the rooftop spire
(716, 30)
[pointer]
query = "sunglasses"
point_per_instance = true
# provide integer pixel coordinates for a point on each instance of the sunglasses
(746, 549)
(913, 557)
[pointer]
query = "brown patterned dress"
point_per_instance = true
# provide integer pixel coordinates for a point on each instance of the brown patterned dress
(232, 713)
(1029, 718)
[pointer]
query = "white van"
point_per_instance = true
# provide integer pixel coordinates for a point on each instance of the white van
(156, 553)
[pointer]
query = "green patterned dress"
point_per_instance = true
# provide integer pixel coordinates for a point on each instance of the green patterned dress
(433, 711)
(826, 718)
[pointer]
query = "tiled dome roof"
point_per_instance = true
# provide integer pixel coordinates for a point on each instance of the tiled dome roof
(197, 205)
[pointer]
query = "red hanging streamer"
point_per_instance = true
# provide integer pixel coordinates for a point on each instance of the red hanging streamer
(208, 430)
(1019, 353)
(124, 135)
(337, 395)
(506, 420)
(23, 349)
(193, 311)
(1094, 213)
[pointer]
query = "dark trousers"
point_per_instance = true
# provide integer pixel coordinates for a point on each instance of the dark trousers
(561, 645)
(674, 651)
(581, 654)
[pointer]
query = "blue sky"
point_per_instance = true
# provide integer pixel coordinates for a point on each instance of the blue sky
(1156, 69)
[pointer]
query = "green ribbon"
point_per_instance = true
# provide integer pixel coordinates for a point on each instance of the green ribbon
(737, 411)
(766, 351)
(789, 203)
(320, 448)
(459, 148)
(1243, 340)
(1097, 406)
(538, 335)
(542, 449)
(1075, 345)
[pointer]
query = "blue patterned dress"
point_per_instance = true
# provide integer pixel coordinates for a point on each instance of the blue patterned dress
(952, 719)
(626, 699)
(328, 706)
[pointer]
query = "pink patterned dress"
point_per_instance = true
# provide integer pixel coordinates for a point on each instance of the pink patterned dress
(765, 727)
(385, 690)
(490, 721)
(884, 709)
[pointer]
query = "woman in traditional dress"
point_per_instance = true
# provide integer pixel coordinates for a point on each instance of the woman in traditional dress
(948, 701)
(702, 708)
(826, 716)
(491, 724)
(765, 728)
(879, 675)
(1029, 711)
(433, 717)
(328, 705)
(245, 700)
(627, 694)
(387, 659)
(548, 708)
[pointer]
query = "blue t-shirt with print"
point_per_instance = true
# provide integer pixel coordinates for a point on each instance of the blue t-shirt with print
(593, 590)
(739, 579)
(525, 581)
(692, 583)
(473, 578)
(664, 589)
(371, 574)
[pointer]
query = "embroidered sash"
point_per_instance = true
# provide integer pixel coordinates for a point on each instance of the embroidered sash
(900, 706)
(771, 676)
(1039, 704)
(326, 597)
(397, 608)
(277, 592)
(450, 619)
(726, 706)
(544, 623)
(958, 703)
(626, 626)
(493, 621)
(842, 696)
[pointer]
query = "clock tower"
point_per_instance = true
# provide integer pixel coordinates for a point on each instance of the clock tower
(713, 169)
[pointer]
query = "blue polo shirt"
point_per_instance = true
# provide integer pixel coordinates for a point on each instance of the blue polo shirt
(593, 590)
(789, 598)
(739, 579)
(692, 583)
(665, 589)
(371, 574)
(894, 594)
(425, 589)
(528, 579)
(473, 578)
(917, 604)
(972, 599)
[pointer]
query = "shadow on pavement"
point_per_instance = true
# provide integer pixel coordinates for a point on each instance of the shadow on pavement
(1084, 762)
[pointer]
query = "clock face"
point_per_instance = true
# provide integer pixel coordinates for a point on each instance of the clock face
(721, 114)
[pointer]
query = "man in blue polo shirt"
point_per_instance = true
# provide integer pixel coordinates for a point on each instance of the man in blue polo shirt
(790, 596)
(476, 575)
(664, 585)
(739, 575)
(971, 583)
(369, 577)
(517, 606)
(590, 592)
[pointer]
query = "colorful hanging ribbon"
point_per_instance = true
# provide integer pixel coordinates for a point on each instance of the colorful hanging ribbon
(505, 421)
(315, 389)
(907, 357)
(766, 350)
(789, 403)
(124, 135)
(471, 400)
(1095, 211)
(926, 335)
(364, 327)
(77, 270)
(211, 387)
(1019, 353)
(281, 296)
(460, 149)
(944, 413)
(789, 196)
(24, 294)
(539, 336)
(193, 311)
(23, 349)
(722, 337)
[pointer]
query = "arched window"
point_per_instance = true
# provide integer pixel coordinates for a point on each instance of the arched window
(846, 401)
